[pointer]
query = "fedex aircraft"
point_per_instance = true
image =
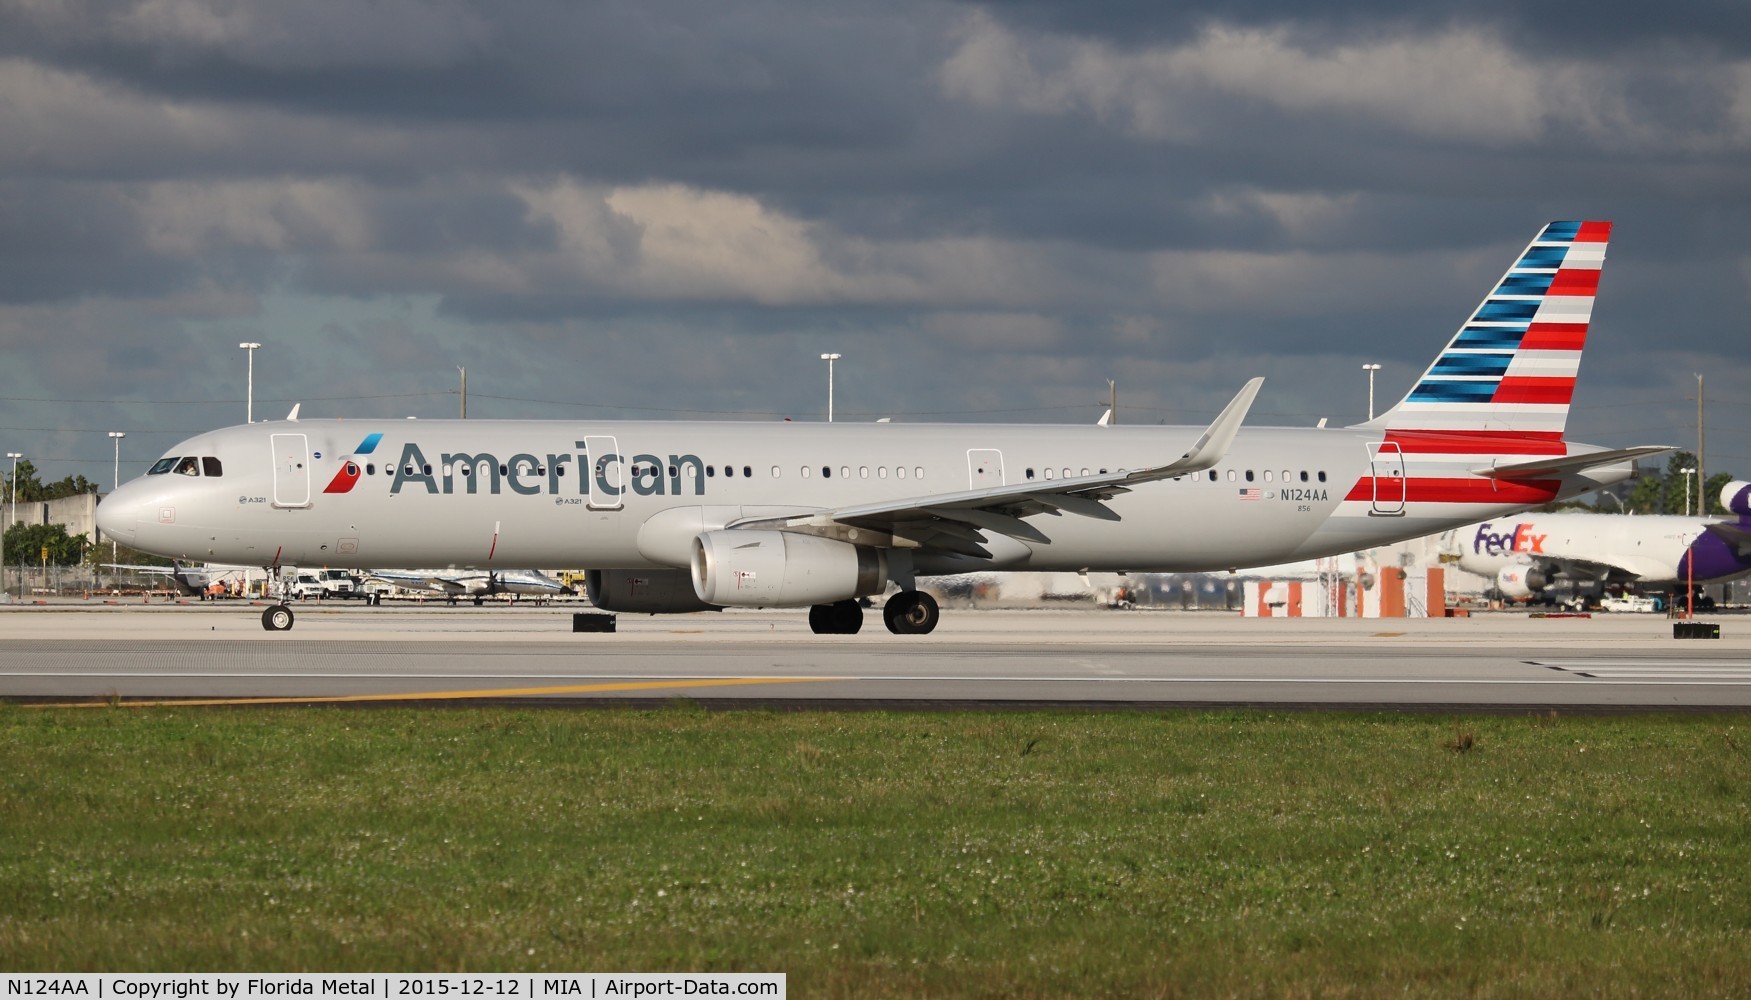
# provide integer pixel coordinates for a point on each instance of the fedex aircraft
(1524, 554)
(681, 516)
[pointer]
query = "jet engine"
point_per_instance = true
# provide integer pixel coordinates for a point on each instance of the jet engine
(1520, 581)
(1736, 497)
(782, 569)
(644, 591)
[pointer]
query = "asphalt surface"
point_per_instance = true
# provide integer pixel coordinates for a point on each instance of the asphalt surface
(96, 652)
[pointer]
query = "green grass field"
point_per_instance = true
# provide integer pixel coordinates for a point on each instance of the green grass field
(1039, 854)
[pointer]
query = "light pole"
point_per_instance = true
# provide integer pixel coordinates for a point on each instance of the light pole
(15, 456)
(249, 411)
(1700, 482)
(464, 372)
(116, 480)
(830, 358)
(1687, 472)
(1370, 369)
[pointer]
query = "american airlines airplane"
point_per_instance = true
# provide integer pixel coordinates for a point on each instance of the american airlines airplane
(681, 516)
(1525, 554)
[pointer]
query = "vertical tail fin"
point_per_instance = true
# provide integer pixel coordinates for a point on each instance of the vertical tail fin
(1511, 367)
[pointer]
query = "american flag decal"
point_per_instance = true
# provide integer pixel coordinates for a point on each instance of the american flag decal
(1252, 493)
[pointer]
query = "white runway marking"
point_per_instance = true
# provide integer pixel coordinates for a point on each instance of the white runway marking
(1661, 671)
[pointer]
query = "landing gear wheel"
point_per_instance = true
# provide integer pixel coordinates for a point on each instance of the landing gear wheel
(478, 601)
(277, 618)
(838, 618)
(911, 612)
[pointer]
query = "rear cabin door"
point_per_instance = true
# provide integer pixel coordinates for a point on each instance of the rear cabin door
(1386, 467)
(291, 470)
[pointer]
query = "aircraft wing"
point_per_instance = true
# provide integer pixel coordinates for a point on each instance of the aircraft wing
(1543, 468)
(953, 521)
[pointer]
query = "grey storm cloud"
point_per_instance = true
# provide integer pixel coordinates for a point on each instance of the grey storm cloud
(636, 208)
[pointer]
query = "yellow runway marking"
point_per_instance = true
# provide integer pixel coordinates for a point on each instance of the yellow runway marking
(449, 695)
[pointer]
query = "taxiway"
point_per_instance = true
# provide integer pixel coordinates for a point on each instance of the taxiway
(1494, 662)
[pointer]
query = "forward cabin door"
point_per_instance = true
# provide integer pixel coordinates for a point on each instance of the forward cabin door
(291, 470)
(1386, 468)
(984, 468)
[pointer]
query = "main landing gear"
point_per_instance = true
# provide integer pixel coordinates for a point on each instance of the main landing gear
(277, 618)
(910, 612)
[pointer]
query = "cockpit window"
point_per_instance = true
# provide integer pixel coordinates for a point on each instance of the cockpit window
(210, 466)
(161, 466)
(187, 467)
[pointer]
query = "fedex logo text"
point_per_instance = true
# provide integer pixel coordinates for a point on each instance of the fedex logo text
(1521, 539)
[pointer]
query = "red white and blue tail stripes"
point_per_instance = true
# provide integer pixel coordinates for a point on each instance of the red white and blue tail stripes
(1499, 392)
(1512, 366)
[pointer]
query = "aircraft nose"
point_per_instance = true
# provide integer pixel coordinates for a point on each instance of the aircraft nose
(118, 514)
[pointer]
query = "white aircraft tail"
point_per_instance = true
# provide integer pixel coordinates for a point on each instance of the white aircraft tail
(1511, 368)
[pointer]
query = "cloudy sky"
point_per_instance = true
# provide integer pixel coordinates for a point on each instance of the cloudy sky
(665, 210)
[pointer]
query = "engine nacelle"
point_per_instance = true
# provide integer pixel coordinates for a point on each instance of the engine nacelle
(1520, 581)
(782, 569)
(1736, 497)
(644, 591)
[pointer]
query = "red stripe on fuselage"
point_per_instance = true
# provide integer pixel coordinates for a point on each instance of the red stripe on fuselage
(1479, 442)
(1472, 490)
(1554, 337)
(1527, 389)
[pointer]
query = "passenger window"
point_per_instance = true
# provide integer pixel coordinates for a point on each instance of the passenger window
(918, 472)
(806, 472)
(1085, 472)
(710, 471)
(1048, 474)
(1030, 473)
(845, 472)
(776, 473)
(900, 470)
(881, 472)
(863, 472)
(210, 466)
(1212, 475)
(1066, 473)
(1249, 475)
(826, 472)
(188, 467)
(1267, 475)
(1231, 476)
(748, 471)
(1322, 476)
(1304, 475)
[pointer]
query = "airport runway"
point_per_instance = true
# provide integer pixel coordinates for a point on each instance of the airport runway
(1102, 659)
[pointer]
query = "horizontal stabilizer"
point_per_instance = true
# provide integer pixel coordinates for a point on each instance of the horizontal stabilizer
(1558, 465)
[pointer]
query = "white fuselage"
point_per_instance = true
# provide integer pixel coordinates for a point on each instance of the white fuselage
(534, 494)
